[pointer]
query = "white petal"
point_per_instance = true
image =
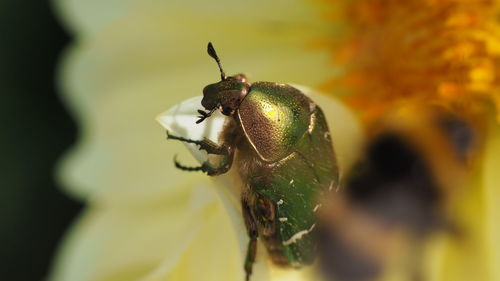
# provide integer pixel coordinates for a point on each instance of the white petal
(181, 119)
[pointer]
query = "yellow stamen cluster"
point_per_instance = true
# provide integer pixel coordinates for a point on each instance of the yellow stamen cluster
(444, 51)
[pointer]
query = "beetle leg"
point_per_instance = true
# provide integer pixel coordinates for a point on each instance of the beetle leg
(226, 161)
(225, 151)
(250, 258)
(252, 243)
(205, 144)
(209, 168)
(205, 167)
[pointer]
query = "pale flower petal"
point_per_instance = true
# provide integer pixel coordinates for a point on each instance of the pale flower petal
(181, 121)
(491, 197)
(212, 254)
(126, 243)
(345, 128)
(91, 15)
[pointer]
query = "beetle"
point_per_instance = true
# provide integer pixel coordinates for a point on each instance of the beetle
(278, 140)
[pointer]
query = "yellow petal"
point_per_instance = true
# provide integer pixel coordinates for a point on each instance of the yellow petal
(473, 254)
(492, 196)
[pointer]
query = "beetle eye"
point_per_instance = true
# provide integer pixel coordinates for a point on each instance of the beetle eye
(227, 110)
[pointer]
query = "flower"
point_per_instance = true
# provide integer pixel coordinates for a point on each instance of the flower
(145, 220)
(132, 59)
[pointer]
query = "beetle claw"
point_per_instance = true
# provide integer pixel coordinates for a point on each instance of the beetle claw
(203, 115)
(202, 118)
(204, 168)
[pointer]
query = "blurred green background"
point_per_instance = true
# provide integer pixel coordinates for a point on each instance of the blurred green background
(36, 130)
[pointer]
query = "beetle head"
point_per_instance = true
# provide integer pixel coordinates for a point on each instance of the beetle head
(226, 94)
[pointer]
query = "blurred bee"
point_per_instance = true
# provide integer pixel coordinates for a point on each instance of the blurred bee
(415, 161)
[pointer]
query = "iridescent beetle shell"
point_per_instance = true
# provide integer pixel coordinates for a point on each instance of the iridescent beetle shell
(280, 144)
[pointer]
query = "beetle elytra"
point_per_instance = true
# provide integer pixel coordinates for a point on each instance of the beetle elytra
(278, 141)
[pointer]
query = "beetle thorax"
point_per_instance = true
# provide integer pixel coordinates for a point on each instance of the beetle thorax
(226, 94)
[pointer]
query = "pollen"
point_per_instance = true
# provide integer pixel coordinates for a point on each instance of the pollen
(431, 51)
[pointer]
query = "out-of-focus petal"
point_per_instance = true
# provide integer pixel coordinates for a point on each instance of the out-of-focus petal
(212, 254)
(90, 15)
(345, 129)
(87, 17)
(492, 196)
(124, 243)
(123, 156)
(472, 253)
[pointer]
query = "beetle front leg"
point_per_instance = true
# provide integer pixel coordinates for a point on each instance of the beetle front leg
(209, 146)
(225, 151)
(209, 168)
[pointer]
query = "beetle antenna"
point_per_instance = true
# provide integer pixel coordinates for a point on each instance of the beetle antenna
(213, 54)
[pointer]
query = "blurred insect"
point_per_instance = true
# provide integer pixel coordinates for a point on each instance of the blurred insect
(415, 161)
(283, 153)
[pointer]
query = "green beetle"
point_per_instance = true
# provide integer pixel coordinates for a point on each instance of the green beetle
(284, 156)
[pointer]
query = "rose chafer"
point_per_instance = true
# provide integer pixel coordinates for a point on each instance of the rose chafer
(278, 140)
